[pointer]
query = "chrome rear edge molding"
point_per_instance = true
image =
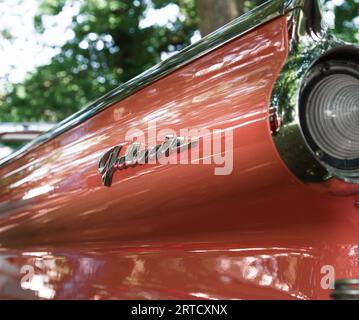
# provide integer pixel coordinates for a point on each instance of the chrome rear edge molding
(346, 289)
(238, 27)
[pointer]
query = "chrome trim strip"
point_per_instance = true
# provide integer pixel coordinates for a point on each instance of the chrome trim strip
(346, 289)
(245, 23)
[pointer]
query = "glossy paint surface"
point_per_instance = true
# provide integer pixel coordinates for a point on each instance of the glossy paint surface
(176, 231)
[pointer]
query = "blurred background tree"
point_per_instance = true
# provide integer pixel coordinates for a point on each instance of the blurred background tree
(346, 22)
(108, 48)
(111, 45)
(214, 14)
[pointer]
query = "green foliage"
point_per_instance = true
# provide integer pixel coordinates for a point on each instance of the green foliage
(6, 34)
(108, 48)
(344, 20)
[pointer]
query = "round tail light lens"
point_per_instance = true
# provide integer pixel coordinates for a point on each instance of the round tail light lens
(329, 116)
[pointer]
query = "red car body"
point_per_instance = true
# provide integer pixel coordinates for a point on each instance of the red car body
(178, 231)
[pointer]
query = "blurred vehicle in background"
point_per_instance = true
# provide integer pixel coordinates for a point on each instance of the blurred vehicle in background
(14, 135)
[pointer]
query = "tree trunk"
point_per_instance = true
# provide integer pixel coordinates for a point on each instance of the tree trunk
(216, 13)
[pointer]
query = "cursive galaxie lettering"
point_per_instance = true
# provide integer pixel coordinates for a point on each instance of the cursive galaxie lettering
(112, 161)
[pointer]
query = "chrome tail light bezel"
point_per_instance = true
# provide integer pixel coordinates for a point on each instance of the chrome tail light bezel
(345, 169)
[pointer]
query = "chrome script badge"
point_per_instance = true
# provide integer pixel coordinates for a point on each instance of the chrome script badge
(112, 161)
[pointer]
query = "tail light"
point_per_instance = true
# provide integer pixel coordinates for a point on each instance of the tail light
(329, 116)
